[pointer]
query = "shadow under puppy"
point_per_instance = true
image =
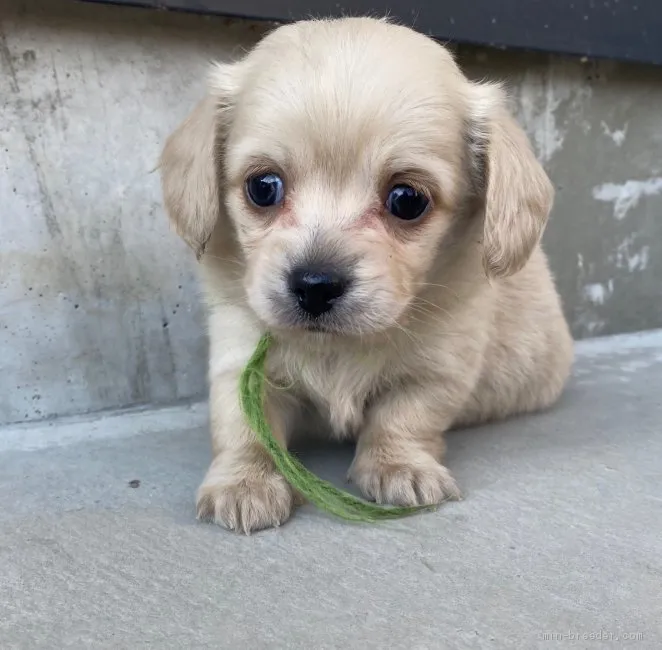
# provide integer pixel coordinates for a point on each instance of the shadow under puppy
(347, 188)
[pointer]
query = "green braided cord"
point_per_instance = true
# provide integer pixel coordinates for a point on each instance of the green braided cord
(322, 493)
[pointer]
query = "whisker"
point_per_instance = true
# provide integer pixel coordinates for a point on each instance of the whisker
(435, 306)
(432, 319)
(407, 332)
(226, 259)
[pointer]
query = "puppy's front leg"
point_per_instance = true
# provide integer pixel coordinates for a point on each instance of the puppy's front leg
(399, 451)
(242, 489)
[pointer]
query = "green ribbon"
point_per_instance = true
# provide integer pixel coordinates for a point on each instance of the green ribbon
(323, 494)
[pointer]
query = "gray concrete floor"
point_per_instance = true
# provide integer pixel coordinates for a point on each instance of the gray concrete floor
(558, 541)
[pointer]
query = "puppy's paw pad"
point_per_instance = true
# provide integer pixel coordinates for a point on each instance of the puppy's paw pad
(404, 484)
(246, 506)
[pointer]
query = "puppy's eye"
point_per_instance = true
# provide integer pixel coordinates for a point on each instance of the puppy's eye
(404, 202)
(265, 190)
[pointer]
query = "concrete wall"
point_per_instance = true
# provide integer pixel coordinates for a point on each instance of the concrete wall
(98, 303)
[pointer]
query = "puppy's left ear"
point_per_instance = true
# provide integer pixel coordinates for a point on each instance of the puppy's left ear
(191, 161)
(517, 192)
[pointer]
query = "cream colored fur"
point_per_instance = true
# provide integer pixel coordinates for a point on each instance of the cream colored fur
(451, 321)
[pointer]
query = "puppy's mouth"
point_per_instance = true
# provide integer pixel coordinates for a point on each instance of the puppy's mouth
(325, 326)
(316, 328)
(289, 320)
(347, 323)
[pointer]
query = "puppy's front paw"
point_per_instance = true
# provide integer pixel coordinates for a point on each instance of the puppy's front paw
(422, 481)
(245, 502)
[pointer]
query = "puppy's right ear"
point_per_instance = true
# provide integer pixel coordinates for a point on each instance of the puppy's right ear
(191, 161)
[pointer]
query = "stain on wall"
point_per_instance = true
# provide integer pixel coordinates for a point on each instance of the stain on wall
(99, 306)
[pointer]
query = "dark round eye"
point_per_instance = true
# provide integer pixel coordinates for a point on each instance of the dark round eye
(265, 189)
(404, 202)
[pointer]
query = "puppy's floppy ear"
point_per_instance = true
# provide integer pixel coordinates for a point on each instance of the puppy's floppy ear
(191, 159)
(517, 192)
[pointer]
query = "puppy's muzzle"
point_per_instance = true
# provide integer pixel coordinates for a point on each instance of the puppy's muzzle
(316, 291)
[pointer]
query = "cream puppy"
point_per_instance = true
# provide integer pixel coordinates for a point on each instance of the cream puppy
(347, 188)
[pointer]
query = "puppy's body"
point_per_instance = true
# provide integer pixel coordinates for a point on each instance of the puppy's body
(445, 320)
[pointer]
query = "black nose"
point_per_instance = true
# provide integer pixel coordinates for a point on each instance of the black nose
(316, 291)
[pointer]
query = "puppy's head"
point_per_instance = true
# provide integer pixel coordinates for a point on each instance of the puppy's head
(339, 155)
